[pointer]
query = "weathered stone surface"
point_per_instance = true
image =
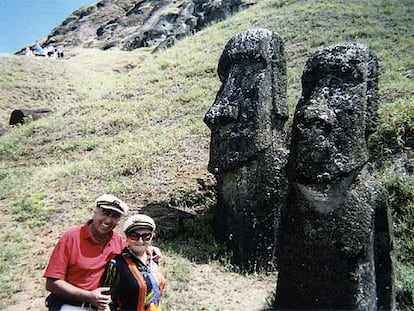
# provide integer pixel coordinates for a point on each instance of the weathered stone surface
(131, 24)
(336, 233)
(248, 151)
(330, 135)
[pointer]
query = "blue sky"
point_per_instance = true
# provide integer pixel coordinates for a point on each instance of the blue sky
(22, 22)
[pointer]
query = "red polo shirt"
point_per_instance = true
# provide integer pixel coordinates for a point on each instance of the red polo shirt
(79, 260)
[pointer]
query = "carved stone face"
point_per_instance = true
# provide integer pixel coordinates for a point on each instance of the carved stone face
(329, 127)
(243, 118)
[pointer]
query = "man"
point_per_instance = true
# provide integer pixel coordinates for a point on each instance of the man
(80, 256)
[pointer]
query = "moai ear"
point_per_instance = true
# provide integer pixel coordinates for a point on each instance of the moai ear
(372, 92)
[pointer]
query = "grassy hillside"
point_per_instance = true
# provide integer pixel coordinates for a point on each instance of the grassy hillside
(130, 123)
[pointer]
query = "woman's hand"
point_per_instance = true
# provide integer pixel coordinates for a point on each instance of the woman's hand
(155, 253)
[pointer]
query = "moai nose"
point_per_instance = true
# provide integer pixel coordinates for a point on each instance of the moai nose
(221, 112)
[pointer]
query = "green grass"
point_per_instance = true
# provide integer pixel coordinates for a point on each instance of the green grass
(130, 123)
(406, 285)
(396, 131)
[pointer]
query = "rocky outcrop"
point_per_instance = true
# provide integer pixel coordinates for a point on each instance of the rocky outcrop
(132, 24)
(20, 116)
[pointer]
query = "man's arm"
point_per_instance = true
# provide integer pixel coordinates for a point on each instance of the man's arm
(68, 291)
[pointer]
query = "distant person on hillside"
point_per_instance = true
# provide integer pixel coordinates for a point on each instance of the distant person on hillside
(79, 259)
(50, 51)
(133, 276)
(28, 51)
(60, 51)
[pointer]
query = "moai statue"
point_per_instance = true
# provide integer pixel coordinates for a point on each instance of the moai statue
(336, 231)
(248, 153)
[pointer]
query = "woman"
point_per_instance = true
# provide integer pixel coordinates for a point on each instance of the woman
(133, 276)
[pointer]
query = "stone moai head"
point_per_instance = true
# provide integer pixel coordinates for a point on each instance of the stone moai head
(335, 114)
(250, 106)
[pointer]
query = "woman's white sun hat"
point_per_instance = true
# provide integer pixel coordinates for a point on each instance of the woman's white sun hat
(139, 221)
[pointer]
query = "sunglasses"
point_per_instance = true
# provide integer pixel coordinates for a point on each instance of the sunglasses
(135, 236)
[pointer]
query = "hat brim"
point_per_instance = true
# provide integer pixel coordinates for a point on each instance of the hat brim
(112, 208)
(136, 227)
